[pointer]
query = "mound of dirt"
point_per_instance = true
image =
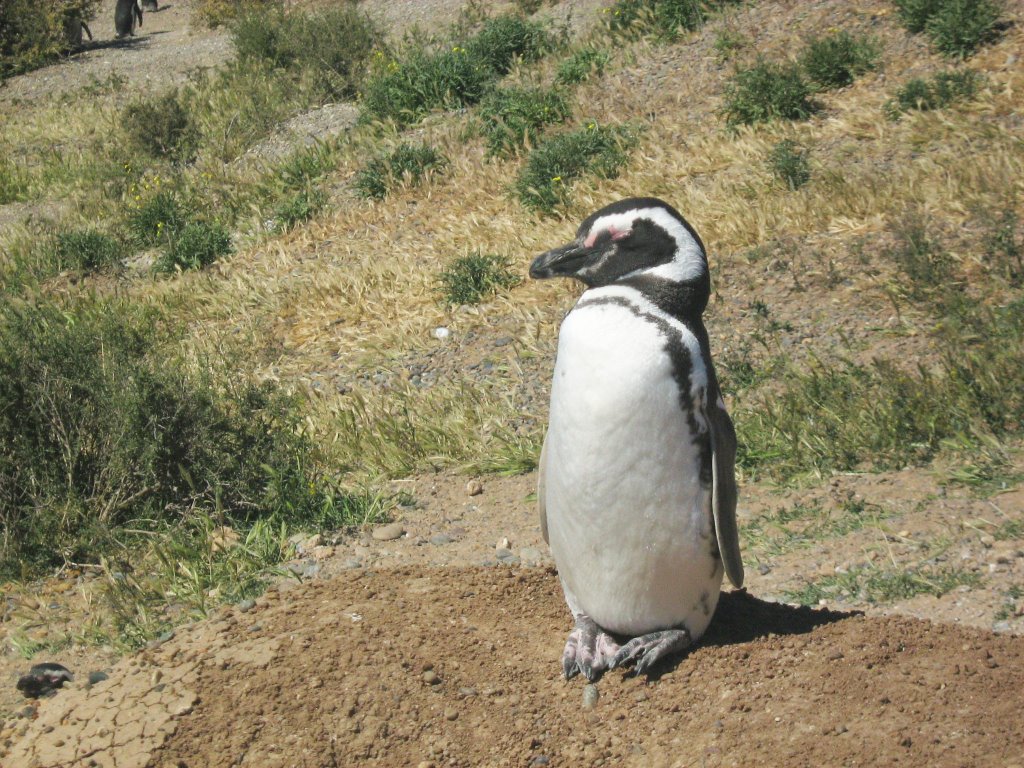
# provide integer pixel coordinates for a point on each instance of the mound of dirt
(459, 667)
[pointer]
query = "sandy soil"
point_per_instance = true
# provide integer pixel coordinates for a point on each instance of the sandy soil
(437, 642)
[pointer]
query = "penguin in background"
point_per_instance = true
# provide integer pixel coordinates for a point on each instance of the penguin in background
(127, 15)
(637, 490)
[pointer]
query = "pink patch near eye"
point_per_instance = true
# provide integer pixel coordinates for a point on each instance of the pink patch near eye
(614, 232)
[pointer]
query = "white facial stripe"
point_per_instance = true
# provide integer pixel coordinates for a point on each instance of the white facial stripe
(688, 262)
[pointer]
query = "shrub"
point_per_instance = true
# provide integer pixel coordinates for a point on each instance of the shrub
(513, 117)
(302, 206)
(470, 279)
(154, 220)
(956, 27)
(217, 13)
(86, 250)
(406, 162)
(662, 18)
(767, 91)
(836, 60)
(728, 41)
(939, 92)
(788, 162)
(33, 34)
(503, 39)
(102, 428)
(162, 127)
(198, 244)
(543, 182)
(578, 67)
(406, 89)
(333, 45)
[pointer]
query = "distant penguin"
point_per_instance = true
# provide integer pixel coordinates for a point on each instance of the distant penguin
(127, 16)
(637, 490)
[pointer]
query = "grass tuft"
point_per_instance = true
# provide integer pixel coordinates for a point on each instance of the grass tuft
(471, 279)
(544, 181)
(663, 19)
(836, 60)
(938, 92)
(86, 250)
(514, 117)
(162, 126)
(198, 244)
(765, 92)
(876, 585)
(581, 66)
(788, 163)
(956, 27)
(405, 164)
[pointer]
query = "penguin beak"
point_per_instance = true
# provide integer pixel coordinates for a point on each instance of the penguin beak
(561, 262)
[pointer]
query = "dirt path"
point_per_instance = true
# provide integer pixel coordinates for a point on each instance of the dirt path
(458, 667)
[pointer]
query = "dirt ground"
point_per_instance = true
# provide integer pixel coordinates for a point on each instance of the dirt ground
(436, 641)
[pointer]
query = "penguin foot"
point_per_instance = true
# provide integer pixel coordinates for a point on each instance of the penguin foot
(589, 650)
(648, 650)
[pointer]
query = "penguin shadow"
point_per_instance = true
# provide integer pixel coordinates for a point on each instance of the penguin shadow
(127, 42)
(743, 618)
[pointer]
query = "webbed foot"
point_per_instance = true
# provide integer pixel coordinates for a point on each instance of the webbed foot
(589, 650)
(648, 650)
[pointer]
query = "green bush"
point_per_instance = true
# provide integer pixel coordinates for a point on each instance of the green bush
(103, 428)
(956, 27)
(406, 162)
(333, 45)
(33, 33)
(218, 13)
(664, 19)
(579, 67)
(836, 60)
(198, 244)
(939, 92)
(301, 206)
(86, 250)
(470, 279)
(788, 163)
(543, 182)
(767, 91)
(154, 220)
(162, 127)
(504, 39)
(513, 117)
(728, 41)
(407, 88)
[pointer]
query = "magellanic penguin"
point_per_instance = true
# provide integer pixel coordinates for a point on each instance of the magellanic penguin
(637, 488)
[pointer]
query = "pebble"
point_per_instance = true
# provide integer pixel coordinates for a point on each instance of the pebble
(590, 696)
(388, 532)
(451, 714)
(430, 677)
(474, 488)
(246, 605)
(834, 655)
(441, 333)
(540, 760)
(503, 543)
(440, 539)
(764, 569)
(352, 562)
(97, 677)
(506, 557)
(531, 555)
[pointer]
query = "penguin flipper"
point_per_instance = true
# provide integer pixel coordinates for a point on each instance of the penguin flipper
(723, 484)
(541, 505)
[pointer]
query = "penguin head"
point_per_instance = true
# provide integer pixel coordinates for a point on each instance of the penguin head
(635, 236)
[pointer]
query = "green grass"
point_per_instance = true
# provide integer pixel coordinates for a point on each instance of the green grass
(767, 91)
(937, 92)
(86, 250)
(788, 163)
(544, 182)
(1004, 254)
(105, 429)
(471, 279)
(197, 244)
(405, 87)
(880, 585)
(662, 19)
(14, 182)
(836, 60)
(330, 46)
(406, 164)
(513, 117)
(299, 207)
(162, 126)
(957, 28)
(581, 65)
(799, 526)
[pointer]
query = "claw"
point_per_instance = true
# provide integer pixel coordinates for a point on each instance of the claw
(589, 650)
(649, 649)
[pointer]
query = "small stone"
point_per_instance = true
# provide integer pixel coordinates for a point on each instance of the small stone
(988, 540)
(503, 543)
(465, 693)
(590, 696)
(834, 655)
(352, 562)
(97, 677)
(764, 569)
(906, 741)
(451, 714)
(531, 555)
(388, 532)
(474, 488)
(246, 605)
(322, 552)
(440, 539)
(540, 760)
(430, 677)
(441, 333)
(156, 677)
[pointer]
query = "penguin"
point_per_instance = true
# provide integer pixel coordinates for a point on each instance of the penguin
(636, 488)
(127, 15)
(43, 679)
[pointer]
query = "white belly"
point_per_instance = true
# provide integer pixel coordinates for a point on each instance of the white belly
(626, 511)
